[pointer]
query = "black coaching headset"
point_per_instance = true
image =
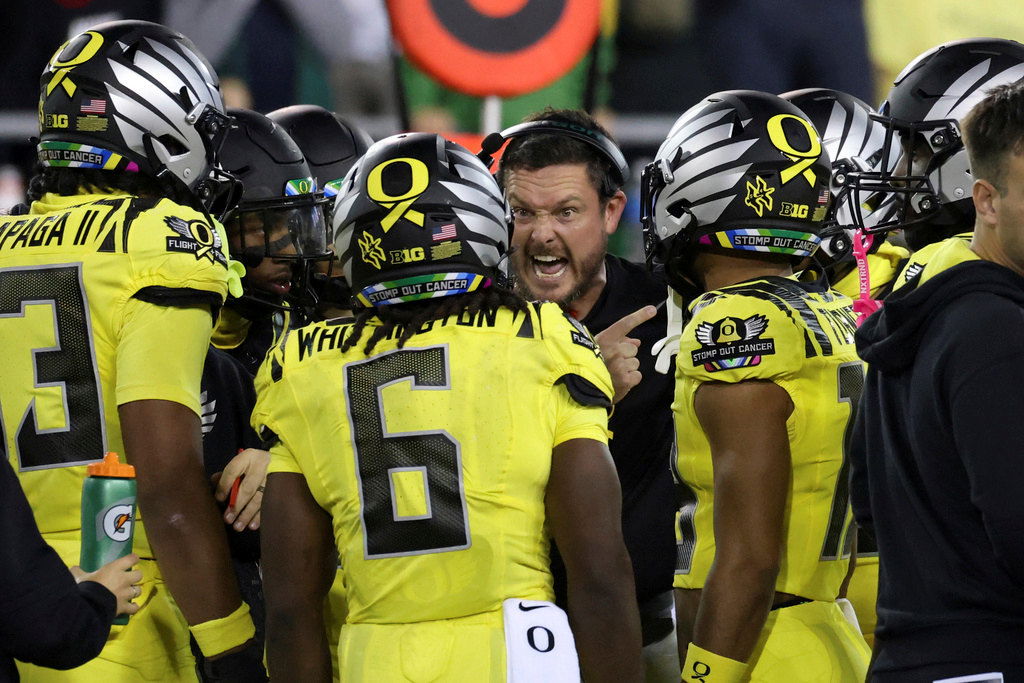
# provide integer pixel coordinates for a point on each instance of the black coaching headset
(608, 149)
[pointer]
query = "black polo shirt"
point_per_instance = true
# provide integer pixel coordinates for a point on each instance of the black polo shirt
(642, 434)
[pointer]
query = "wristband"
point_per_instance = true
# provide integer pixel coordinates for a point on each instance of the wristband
(707, 667)
(220, 635)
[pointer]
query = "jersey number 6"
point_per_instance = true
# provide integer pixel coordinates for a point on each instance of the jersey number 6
(428, 461)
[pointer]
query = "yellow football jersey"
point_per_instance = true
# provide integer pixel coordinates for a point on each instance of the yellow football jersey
(800, 337)
(883, 266)
(923, 256)
(433, 459)
(104, 299)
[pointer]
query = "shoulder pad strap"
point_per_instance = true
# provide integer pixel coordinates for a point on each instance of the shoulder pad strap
(179, 296)
(584, 392)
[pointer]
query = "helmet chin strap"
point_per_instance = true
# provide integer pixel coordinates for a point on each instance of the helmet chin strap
(255, 305)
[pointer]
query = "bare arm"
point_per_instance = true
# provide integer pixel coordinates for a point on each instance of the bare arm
(163, 441)
(299, 562)
(584, 512)
(746, 426)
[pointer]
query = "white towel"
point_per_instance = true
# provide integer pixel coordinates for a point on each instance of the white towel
(538, 643)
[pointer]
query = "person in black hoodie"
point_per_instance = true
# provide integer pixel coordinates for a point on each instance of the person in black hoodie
(937, 448)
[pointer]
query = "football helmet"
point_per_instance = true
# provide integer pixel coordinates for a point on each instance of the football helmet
(853, 141)
(133, 96)
(280, 212)
(330, 144)
(740, 170)
(932, 181)
(420, 217)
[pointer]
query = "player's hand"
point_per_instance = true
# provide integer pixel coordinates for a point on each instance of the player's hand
(119, 578)
(251, 464)
(619, 350)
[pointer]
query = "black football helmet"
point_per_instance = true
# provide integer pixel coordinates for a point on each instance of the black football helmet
(853, 139)
(740, 170)
(932, 179)
(133, 96)
(331, 146)
(280, 213)
(420, 217)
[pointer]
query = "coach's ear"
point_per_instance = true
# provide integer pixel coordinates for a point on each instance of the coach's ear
(986, 202)
(613, 211)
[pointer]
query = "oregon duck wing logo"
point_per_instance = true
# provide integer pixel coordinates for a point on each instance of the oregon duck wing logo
(732, 343)
(195, 237)
(369, 249)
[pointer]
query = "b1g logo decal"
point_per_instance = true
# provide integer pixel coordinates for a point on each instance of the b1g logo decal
(732, 343)
(195, 237)
(117, 523)
(55, 121)
(410, 255)
(794, 210)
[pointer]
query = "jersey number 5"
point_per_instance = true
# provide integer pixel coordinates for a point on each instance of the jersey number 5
(65, 362)
(428, 463)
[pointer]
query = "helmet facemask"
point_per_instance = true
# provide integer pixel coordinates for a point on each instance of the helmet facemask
(286, 231)
(673, 257)
(924, 168)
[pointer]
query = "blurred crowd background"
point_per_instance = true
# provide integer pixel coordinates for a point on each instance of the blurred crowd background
(652, 60)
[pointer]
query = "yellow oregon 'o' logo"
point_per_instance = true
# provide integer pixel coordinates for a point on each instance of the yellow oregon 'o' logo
(419, 180)
(84, 55)
(61, 67)
(802, 159)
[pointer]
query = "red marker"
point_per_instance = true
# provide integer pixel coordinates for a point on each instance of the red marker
(234, 491)
(234, 487)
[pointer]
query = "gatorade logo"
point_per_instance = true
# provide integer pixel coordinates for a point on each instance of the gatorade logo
(117, 523)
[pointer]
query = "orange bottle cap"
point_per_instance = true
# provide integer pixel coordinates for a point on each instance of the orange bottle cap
(111, 467)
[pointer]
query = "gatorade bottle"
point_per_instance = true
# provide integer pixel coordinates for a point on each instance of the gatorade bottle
(108, 514)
